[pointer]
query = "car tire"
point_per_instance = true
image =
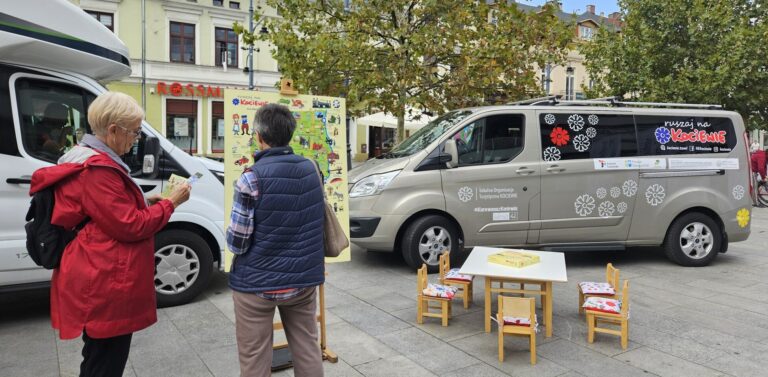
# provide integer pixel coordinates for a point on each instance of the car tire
(426, 238)
(183, 266)
(693, 240)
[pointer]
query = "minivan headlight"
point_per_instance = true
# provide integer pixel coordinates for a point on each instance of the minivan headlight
(372, 185)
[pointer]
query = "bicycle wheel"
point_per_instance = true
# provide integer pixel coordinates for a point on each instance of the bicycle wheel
(762, 193)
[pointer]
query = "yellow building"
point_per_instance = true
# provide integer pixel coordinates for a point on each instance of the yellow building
(569, 79)
(192, 54)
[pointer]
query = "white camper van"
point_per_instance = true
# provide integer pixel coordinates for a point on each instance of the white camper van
(51, 66)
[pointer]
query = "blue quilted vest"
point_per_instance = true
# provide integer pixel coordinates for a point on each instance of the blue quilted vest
(287, 243)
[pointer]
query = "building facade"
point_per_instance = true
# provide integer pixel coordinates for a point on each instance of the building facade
(192, 55)
(570, 79)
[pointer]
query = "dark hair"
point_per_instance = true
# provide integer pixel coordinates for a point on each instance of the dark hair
(275, 125)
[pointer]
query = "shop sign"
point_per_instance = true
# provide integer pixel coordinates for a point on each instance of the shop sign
(188, 90)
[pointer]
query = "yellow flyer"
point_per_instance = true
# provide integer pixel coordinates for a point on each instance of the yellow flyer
(320, 136)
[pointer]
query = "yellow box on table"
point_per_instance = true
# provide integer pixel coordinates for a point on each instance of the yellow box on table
(514, 258)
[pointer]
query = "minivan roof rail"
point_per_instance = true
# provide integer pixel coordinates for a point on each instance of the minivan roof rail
(676, 105)
(536, 100)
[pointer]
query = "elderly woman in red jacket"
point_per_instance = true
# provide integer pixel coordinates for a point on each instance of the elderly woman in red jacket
(104, 285)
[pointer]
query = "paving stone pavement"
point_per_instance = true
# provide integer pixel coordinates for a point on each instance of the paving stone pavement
(699, 322)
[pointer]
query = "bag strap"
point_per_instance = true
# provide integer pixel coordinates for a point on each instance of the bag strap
(319, 176)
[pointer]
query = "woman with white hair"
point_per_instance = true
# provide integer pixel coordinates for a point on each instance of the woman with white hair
(104, 285)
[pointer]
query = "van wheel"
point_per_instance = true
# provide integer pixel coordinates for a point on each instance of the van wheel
(183, 266)
(693, 240)
(426, 239)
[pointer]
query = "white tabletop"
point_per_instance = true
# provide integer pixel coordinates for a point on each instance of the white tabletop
(550, 268)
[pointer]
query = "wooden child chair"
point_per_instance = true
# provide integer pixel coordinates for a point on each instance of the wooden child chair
(609, 310)
(600, 289)
(452, 277)
(428, 293)
(517, 316)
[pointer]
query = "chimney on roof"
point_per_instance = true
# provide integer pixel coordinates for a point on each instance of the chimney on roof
(615, 15)
(591, 9)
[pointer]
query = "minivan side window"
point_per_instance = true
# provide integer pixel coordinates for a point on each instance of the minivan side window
(52, 117)
(572, 136)
(660, 135)
(493, 139)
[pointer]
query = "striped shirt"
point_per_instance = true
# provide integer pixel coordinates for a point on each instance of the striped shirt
(241, 227)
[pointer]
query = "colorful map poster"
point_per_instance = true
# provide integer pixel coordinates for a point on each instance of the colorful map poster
(320, 136)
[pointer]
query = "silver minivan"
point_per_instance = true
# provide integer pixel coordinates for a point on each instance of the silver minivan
(584, 175)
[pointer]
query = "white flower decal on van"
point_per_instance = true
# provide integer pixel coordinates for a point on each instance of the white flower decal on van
(551, 154)
(549, 119)
(629, 188)
(738, 192)
(466, 194)
(581, 143)
(584, 205)
(576, 122)
(622, 207)
(593, 119)
(615, 192)
(606, 209)
(591, 132)
(655, 194)
(601, 193)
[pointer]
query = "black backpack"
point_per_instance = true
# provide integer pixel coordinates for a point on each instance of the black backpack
(45, 241)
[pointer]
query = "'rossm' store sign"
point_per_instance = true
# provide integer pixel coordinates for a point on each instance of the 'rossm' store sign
(188, 90)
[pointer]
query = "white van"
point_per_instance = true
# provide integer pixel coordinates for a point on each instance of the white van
(571, 175)
(51, 63)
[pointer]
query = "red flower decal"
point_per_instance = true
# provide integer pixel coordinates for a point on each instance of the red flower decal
(559, 136)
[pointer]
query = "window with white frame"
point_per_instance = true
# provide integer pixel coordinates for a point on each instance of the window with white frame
(586, 32)
(570, 81)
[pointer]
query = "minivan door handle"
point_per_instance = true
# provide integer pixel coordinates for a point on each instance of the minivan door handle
(19, 181)
(524, 171)
(555, 169)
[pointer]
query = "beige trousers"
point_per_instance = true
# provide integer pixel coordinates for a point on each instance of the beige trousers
(253, 327)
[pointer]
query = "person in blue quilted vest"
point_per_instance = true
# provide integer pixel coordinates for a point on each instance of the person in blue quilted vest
(276, 234)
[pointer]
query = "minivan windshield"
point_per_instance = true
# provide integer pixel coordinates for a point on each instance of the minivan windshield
(427, 134)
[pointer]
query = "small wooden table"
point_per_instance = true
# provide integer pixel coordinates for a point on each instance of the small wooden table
(550, 269)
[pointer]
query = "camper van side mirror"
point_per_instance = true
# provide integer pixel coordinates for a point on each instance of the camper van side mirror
(451, 153)
(149, 165)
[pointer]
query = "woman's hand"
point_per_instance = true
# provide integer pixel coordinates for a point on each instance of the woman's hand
(180, 194)
(153, 199)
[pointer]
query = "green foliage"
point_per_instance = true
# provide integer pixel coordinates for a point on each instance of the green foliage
(691, 51)
(431, 54)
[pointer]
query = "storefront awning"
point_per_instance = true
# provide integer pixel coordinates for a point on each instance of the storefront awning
(414, 120)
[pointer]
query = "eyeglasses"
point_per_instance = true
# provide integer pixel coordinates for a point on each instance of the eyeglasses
(136, 133)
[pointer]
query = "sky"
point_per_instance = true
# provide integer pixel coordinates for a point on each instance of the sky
(580, 6)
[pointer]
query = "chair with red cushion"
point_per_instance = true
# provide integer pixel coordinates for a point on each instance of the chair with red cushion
(517, 316)
(452, 277)
(599, 289)
(609, 310)
(427, 293)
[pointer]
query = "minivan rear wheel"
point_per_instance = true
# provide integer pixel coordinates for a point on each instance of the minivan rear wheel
(426, 239)
(693, 240)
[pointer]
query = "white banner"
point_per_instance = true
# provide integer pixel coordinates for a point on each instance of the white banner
(629, 163)
(704, 163)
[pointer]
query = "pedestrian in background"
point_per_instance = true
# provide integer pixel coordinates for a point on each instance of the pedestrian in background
(276, 233)
(104, 286)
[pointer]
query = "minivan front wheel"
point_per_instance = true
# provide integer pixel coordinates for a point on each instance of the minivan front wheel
(183, 266)
(426, 239)
(693, 240)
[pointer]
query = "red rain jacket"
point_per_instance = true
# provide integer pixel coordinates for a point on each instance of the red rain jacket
(105, 282)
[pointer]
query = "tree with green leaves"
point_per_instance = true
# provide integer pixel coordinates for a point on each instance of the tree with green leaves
(387, 55)
(690, 51)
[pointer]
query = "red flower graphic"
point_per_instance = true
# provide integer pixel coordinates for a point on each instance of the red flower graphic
(559, 136)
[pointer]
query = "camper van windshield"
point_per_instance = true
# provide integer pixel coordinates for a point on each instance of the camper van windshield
(427, 134)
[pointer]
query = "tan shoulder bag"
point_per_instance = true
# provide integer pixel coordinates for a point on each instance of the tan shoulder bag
(334, 239)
